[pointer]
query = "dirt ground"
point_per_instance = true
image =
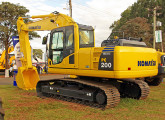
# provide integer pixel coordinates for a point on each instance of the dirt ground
(9, 81)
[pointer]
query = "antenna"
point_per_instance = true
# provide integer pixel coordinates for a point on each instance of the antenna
(70, 8)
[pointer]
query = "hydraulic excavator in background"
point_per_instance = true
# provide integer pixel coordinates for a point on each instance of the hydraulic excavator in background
(103, 73)
(137, 42)
(2, 58)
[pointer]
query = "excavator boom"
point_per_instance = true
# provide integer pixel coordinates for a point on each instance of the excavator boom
(27, 76)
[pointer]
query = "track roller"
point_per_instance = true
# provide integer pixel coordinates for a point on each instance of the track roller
(101, 98)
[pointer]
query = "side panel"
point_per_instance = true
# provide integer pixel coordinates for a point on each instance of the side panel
(138, 62)
(135, 58)
(84, 58)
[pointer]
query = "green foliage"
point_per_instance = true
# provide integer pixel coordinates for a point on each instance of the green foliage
(138, 27)
(142, 9)
(38, 53)
(8, 19)
(9, 14)
(34, 34)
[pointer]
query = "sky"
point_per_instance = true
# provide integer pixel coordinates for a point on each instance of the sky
(97, 13)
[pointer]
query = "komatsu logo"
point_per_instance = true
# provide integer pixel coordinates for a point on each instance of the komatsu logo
(147, 63)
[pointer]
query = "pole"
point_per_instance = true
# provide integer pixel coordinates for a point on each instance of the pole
(154, 29)
(70, 8)
(162, 46)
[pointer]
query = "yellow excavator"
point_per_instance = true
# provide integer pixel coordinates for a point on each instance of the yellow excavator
(104, 74)
(138, 42)
(2, 58)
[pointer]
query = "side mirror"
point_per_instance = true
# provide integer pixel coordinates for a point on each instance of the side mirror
(44, 41)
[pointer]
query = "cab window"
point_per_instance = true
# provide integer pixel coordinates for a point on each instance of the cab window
(86, 38)
(57, 57)
(69, 38)
(57, 47)
(57, 41)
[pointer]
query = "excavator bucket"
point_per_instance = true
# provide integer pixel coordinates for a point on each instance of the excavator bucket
(27, 78)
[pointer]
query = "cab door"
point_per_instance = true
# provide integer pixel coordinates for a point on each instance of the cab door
(62, 47)
(69, 46)
(56, 47)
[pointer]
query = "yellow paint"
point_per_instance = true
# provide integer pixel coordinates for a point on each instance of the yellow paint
(3, 60)
(84, 60)
(125, 57)
(103, 60)
(11, 59)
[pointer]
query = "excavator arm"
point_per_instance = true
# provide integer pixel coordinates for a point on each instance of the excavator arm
(27, 76)
(2, 58)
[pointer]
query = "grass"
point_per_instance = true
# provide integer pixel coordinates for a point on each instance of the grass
(25, 105)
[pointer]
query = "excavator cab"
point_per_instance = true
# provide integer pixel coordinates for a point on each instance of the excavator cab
(61, 44)
(64, 43)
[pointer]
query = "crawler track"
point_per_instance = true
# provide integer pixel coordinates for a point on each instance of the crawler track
(136, 89)
(112, 94)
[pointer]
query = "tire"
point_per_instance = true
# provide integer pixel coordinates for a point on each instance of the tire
(154, 81)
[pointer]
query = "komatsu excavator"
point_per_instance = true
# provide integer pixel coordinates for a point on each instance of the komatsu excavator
(137, 42)
(2, 58)
(103, 73)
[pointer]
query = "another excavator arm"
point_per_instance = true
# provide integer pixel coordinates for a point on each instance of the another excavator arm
(2, 58)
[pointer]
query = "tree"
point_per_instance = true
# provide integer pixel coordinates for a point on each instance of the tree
(8, 23)
(143, 9)
(138, 28)
(38, 53)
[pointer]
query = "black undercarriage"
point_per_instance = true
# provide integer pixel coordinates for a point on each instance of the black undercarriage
(96, 93)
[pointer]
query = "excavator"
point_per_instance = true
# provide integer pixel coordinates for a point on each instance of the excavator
(138, 42)
(100, 75)
(2, 58)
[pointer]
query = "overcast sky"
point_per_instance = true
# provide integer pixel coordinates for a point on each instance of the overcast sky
(97, 13)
